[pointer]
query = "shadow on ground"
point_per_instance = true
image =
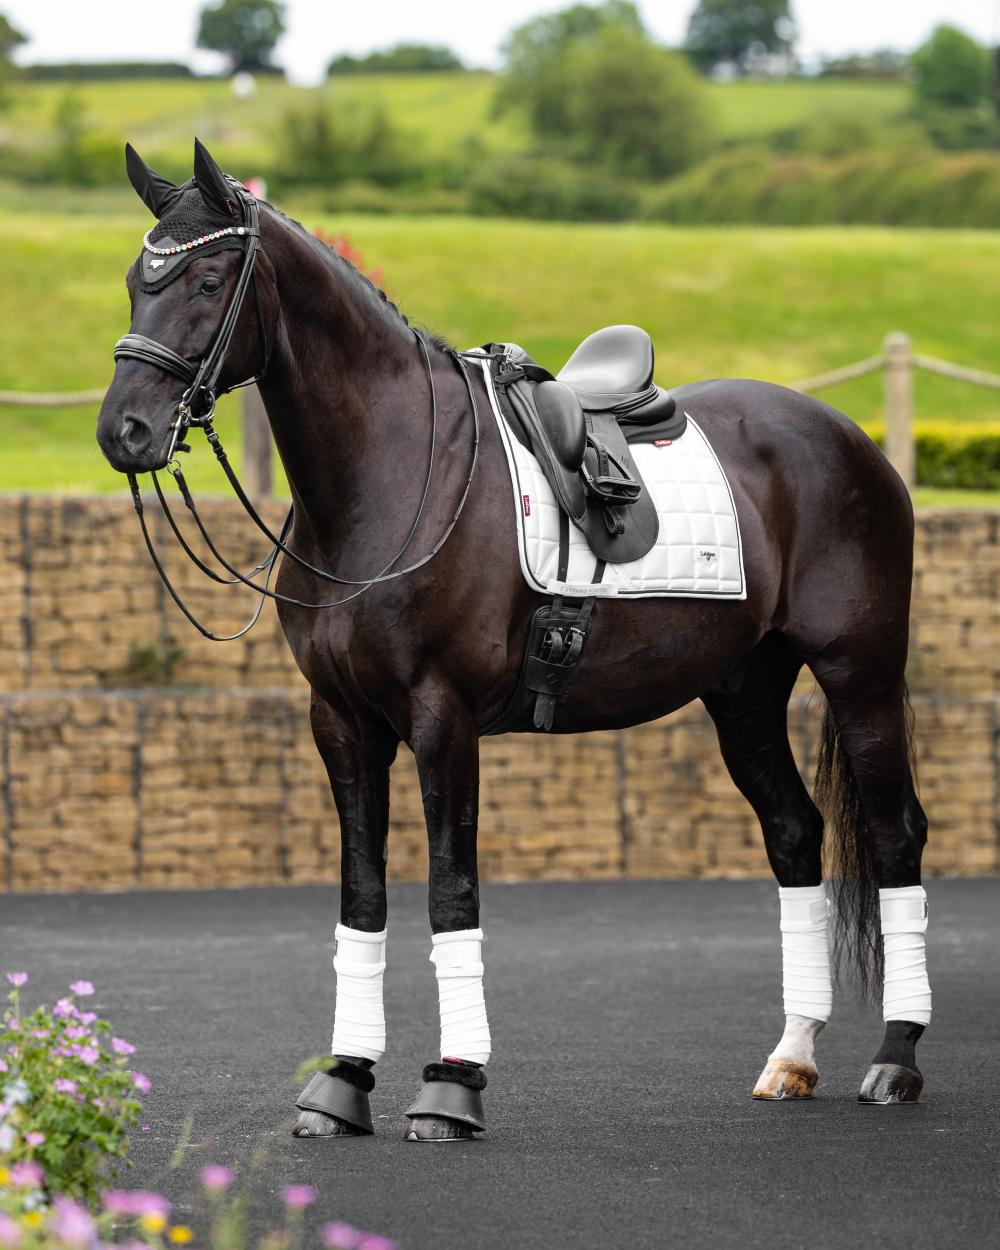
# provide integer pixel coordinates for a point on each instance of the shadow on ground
(629, 1020)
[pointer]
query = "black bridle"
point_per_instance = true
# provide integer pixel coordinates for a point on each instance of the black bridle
(197, 407)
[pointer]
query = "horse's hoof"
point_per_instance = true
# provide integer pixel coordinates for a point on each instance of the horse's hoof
(888, 1083)
(317, 1124)
(783, 1079)
(437, 1128)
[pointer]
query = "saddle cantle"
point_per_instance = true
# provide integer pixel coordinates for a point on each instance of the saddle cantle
(578, 424)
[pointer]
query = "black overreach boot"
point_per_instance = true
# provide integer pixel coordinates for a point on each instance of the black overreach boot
(449, 1106)
(339, 1093)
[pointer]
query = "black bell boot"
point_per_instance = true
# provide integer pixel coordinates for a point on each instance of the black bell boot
(449, 1106)
(335, 1102)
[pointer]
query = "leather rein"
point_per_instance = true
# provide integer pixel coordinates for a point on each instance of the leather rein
(197, 408)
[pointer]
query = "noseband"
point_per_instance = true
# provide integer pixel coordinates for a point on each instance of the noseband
(198, 402)
(196, 408)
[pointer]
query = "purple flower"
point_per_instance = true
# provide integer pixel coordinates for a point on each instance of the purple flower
(298, 1196)
(27, 1172)
(87, 1017)
(341, 1236)
(141, 1082)
(62, 1086)
(17, 979)
(64, 1008)
(216, 1177)
(3, 1066)
(88, 1055)
(82, 989)
(134, 1202)
(40, 1034)
(35, 1139)
(121, 1047)
(76, 1034)
(10, 1234)
(72, 1225)
(145, 1128)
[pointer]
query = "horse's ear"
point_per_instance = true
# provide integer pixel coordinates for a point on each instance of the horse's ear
(215, 190)
(156, 192)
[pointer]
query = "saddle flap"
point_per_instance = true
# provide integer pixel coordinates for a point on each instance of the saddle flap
(562, 418)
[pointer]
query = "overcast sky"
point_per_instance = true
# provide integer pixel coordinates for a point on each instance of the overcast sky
(78, 30)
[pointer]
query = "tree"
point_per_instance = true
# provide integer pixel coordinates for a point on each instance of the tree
(738, 31)
(404, 58)
(10, 38)
(536, 80)
(635, 108)
(245, 30)
(952, 70)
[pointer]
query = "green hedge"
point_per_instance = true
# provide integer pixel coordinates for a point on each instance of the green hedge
(954, 457)
(550, 190)
(914, 187)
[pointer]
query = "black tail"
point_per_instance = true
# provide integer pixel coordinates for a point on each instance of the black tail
(850, 863)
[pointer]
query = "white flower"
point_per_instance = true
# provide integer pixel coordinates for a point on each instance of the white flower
(16, 1092)
(6, 1138)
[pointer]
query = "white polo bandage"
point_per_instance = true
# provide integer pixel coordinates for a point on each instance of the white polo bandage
(359, 1022)
(805, 951)
(458, 962)
(907, 991)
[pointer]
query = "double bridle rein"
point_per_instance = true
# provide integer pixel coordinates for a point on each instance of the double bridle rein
(197, 408)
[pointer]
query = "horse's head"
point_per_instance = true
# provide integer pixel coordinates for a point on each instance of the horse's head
(191, 293)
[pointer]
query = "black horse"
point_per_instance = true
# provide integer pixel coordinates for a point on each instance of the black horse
(352, 393)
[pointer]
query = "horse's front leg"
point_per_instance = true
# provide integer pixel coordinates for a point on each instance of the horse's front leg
(445, 741)
(357, 754)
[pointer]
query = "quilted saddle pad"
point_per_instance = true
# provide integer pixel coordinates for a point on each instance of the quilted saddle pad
(699, 551)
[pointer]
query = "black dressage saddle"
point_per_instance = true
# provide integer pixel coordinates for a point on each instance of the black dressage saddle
(578, 424)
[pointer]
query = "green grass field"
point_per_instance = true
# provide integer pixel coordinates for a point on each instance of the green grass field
(774, 304)
(436, 111)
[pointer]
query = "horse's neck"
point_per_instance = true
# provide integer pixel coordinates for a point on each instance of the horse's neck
(345, 393)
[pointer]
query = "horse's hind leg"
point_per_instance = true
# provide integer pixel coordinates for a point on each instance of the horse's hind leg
(868, 780)
(357, 755)
(750, 715)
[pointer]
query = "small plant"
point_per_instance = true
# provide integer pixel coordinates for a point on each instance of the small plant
(68, 1098)
(153, 664)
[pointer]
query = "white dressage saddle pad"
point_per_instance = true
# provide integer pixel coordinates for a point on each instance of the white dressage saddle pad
(698, 553)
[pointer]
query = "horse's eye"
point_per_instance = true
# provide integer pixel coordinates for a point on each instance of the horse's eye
(211, 285)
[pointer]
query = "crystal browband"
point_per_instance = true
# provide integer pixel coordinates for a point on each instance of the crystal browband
(186, 247)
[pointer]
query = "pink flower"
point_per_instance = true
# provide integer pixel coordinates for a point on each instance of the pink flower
(216, 1177)
(40, 1034)
(87, 1017)
(341, 1236)
(27, 1172)
(145, 1128)
(64, 1008)
(35, 1139)
(141, 1082)
(72, 1225)
(17, 979)
(75, 1033)
(121, 1047)
(3, 1066)
(10, 1234)
(82, 989)
(62, 1086)
(298, 1196)
(134, 1202)
(88, 1055)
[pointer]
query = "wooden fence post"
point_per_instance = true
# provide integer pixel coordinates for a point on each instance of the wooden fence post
(898, 396)
(256, 445)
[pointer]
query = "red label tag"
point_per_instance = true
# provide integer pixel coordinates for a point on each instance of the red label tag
(526, 504)
(662, 442)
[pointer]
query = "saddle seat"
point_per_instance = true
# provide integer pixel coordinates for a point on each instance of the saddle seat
(612, 371)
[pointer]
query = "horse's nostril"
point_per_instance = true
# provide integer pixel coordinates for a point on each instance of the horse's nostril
(136, 433)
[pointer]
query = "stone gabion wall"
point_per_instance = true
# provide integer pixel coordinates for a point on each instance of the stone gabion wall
(109, 783)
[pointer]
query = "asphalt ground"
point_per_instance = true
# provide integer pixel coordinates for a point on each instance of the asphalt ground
(629, 1022)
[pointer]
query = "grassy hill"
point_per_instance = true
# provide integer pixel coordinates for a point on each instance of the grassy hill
(437, 111)
(774, 304)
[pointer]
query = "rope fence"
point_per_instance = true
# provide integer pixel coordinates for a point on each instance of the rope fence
(897, 359)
